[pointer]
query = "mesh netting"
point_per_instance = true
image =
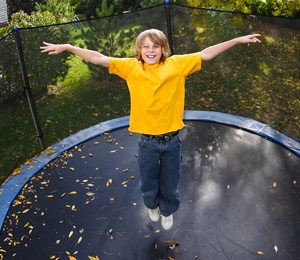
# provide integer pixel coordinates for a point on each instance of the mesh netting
(258, 81)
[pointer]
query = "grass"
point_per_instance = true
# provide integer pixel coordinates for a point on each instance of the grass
(70, 106)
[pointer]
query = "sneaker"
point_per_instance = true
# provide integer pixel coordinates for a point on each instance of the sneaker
(154, 214)
(167, 222)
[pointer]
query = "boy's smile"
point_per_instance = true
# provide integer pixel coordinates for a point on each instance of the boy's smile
(151, 52)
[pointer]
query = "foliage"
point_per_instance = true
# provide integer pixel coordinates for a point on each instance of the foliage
(23, 20)
(105, 10)
(93, 5)
(284, 8)
(105, 35)
(62, 10)
(15, 6)
(11, 81)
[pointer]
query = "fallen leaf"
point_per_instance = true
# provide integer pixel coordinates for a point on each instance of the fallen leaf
(93, 258)
(274, 184)
(72, 258)
(260, 253)
(72, 169)
(25, 211)
(79, 240)
(71, 233)
(72, 192)
(276, 249)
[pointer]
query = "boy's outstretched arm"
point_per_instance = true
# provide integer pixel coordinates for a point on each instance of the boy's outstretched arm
(213, 51)
(89, 55)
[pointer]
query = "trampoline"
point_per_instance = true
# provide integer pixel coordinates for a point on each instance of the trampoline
(239, 187)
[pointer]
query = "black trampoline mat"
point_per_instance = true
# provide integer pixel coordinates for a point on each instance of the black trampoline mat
(239, 192)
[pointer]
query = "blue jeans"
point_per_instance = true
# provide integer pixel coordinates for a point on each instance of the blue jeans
(159, 165)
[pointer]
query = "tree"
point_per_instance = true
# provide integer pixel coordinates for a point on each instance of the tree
(11, 83)
(15, 6)
(107, 36)
(62, 10)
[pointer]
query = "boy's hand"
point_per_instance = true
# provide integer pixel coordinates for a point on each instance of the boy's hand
(252, 38)
(53, 48)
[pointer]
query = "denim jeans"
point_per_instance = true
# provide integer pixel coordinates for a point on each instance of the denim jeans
(159, 165)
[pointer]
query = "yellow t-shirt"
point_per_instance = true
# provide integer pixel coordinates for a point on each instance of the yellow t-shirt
(156, 91)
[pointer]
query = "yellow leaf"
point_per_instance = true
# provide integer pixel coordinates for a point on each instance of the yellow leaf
(49, 196)
(72, 192)
(274, 184)
(25, 211)
(72, 257)
(276, 249)
(94, 258)
(79, 240)
(72, 169)
(71, 233)
(260, 253)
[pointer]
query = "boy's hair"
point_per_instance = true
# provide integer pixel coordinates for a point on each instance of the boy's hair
(157, 37)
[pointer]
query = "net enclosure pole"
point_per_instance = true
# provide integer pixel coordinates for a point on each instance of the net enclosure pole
(169, 26)
(27, 88)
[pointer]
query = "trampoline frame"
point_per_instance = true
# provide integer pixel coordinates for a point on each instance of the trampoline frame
(12, 186)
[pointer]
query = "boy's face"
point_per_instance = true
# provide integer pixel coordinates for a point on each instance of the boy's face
(151, 52)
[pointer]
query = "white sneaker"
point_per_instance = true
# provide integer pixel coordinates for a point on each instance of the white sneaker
(167, 222)
(154, 214)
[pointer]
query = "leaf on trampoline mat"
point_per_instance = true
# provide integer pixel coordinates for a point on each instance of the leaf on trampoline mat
(49, 196)
(173, 246)
(79, 240)
(94, 258)
(25, 211)
(72, 257)
(90, 194)
(71, 234)
(109, 182)
(260, 252)
(113, 151)
(72, 192)
(72, 169)
(276, 249)
(274, 184)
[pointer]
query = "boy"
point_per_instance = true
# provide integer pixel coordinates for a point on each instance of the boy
(156, 84)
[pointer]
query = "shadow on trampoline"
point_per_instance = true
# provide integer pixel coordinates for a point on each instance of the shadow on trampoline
(240, 199)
